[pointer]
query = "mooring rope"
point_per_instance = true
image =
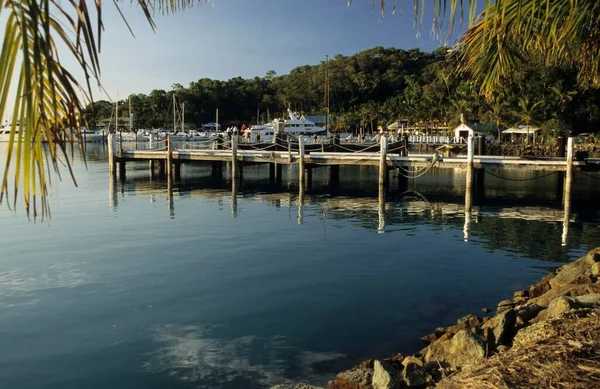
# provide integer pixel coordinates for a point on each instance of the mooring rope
(519, 179)
(589, 175)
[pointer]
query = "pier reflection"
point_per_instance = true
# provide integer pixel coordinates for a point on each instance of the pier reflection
(534, 228)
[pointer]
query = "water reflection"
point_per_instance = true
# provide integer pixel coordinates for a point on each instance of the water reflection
(193, 353)
(523, 224)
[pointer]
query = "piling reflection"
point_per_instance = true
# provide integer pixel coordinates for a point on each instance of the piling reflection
(534, 230)
(113, 201)
(381, 210)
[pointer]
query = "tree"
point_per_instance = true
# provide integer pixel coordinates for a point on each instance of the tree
(527, 109)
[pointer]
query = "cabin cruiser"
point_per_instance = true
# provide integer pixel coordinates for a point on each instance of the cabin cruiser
(300, 126)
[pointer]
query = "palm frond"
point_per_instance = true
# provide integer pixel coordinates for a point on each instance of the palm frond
(48, 100)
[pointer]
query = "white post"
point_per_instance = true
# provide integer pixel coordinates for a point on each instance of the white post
(569, 174)
(169, 156)
(383, 161)
(111, 153)
(151, 146)
(470, 155)
(301, 161)
(234, 155)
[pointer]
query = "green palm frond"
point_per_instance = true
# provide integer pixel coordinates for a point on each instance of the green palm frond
(47, 98)
(513, 31)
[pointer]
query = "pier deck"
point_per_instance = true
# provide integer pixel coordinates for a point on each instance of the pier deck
(359, 158)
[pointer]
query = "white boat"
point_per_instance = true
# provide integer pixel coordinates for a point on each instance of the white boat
(262, 132)
(300, 126)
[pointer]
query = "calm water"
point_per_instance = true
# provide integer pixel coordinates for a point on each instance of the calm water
(128, 287)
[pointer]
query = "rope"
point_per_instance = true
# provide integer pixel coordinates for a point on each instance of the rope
(518, 179)
(589, 175)
(412, 174)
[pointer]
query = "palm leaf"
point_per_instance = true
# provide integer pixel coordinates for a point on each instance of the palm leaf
(48, 100)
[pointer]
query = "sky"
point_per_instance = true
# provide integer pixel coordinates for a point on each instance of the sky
(245, 38)
(222, 39)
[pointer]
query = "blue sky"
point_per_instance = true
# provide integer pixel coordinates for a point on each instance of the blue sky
(229, 38)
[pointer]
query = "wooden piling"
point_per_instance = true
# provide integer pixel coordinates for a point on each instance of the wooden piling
(301, 160)
(383, 162)
(111, 153)
(481, 145)
(470, 154)
(234, 159)
(272, 172)
(278, 173)
(169, 156)
(569, 173)
(151, 143)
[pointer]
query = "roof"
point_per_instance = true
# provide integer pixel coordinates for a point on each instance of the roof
(522, 129)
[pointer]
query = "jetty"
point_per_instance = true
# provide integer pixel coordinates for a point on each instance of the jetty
(384, 155)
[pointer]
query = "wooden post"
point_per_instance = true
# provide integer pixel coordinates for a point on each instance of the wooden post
(569, 174)
(301, 160)
(278, 174)
(151, 167)
(334, 176)
(234, 159)
(111, 153)
(383, 162)
(272, 173)
(381, 210)
(560, 141)
(309, 176)
(481, 145)
(470, 153)
(289, 150)
(169, 156)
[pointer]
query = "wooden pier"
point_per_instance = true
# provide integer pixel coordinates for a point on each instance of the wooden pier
(169, 161)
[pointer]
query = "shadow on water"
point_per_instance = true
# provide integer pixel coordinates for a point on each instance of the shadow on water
(524, 219)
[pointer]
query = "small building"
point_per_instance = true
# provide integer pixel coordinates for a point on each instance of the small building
(461, 133)
(521, 132)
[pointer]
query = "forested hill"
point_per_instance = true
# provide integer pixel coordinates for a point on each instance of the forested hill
(372, 87)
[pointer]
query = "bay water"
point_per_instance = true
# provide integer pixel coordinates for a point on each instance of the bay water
(132, 285)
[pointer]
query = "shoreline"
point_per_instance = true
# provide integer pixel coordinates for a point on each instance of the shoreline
(542, 337)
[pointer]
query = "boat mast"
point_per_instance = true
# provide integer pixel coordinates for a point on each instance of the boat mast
(117, 115)
(257, 116)
(174, 114)
(326, 92)
(130, 117)
(183, 117)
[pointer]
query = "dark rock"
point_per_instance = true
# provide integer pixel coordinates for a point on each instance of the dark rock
(499, 330)
(429, 338)
(414, 373)
(296, 386)
(504, 305)
(528, 312)
(486, 310)
(541, 287)
(467, 322)
(385, 376)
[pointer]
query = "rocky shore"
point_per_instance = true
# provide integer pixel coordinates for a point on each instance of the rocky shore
(546, 336)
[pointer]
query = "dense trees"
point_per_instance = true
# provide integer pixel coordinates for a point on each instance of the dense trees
(375, 87)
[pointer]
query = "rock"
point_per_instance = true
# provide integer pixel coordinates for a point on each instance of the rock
(520, 296)
(557, 307)
(528, 312)
(469, 321)
(578, 272)
(565, 290)
(587, 301)
(463, 349)
(485, 319)
(499, 330)
(535, 333)
(414, 373)
(296, 386)
(595, 269)
(356, 378)
(486, 310)
(504, 305)
(385, 376)
(592, 257)
(429, 338)
(541, 287)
